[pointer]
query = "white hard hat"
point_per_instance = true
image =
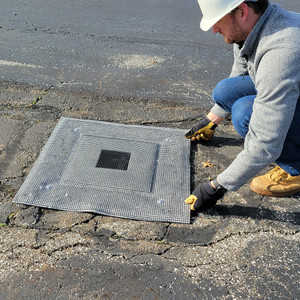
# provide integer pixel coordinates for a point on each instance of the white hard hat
(215, 10)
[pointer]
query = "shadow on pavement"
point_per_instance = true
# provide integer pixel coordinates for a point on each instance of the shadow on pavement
(258, 213)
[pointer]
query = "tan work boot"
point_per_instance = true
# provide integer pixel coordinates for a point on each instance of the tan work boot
(276, 183)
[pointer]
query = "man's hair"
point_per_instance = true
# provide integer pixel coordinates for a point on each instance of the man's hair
(259, 7)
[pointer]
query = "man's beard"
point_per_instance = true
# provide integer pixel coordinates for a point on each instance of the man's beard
(237, 35)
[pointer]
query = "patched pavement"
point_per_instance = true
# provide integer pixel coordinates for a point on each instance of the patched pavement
(247, 247)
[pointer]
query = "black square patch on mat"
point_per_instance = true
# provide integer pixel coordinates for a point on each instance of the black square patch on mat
(110, 159)
(128, 171)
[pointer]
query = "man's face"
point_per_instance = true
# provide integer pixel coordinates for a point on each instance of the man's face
(230, 28)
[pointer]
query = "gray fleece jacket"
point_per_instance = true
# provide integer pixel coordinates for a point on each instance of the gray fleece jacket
(271, 56)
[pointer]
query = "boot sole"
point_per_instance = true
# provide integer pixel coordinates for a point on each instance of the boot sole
(267, 193)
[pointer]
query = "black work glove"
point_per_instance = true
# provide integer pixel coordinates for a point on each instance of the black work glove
(205, 196)
(203, 130)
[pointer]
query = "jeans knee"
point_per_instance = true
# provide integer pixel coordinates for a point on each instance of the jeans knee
(231, 89)
(220, 91)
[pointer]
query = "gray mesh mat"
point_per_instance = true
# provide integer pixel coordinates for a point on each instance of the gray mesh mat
(129, 171)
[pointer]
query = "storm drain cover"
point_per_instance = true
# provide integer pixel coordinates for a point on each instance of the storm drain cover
(129, 171)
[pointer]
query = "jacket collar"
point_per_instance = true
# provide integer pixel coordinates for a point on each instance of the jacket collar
(251, 42)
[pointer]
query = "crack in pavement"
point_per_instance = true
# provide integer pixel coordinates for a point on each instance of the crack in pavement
(12, 147)
(108, 38)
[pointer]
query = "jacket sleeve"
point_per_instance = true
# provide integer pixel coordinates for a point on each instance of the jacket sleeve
(239, 67)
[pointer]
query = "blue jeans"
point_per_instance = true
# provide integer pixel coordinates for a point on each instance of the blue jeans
(236, 95)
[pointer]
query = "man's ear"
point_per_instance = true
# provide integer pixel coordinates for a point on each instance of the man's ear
(243, 11)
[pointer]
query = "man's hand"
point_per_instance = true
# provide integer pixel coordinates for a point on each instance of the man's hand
(204, 197)
(203, 130)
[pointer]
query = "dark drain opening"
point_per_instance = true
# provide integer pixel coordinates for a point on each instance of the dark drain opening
(110, 159)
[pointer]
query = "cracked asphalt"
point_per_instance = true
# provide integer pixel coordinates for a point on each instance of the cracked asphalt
(247, 247)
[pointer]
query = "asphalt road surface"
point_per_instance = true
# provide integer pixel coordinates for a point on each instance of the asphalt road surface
(139, 62)
(138, 48)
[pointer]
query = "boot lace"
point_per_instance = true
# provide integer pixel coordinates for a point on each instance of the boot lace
(277, 175)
